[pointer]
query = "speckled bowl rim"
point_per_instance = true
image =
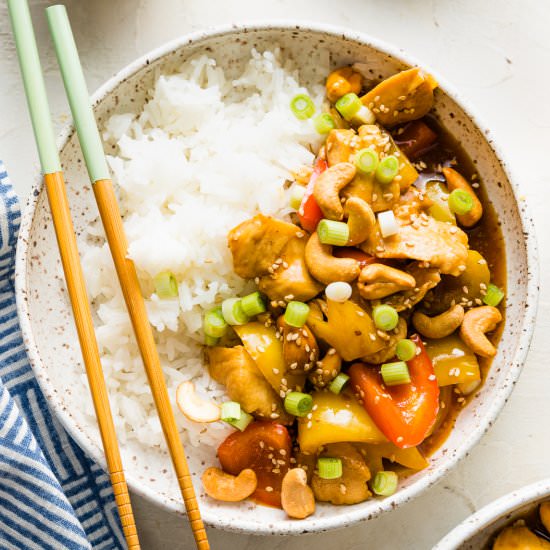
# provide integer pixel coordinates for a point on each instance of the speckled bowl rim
(406, 494)
(485, 517)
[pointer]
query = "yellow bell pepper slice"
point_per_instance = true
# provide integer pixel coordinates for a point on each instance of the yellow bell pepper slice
(349, 329)
(410, 458)
(453, 361)
(267, 351)
(334, 419)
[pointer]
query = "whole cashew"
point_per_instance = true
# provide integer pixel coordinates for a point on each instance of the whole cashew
(457, 181)
(325, 267)
(441, 325)
(377, 281)
(228, 488)
(327, 369)
(361, 220)
(328, 186)
(297, 497)
(476, 323)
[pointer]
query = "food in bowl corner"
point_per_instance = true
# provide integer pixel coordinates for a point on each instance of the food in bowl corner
(333, 249)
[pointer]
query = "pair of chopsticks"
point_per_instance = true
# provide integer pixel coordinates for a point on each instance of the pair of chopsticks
(91, 145)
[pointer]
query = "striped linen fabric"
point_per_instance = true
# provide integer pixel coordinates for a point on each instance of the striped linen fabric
(51, 495)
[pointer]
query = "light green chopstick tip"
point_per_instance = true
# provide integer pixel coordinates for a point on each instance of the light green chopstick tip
(77, 93)
(35, 89)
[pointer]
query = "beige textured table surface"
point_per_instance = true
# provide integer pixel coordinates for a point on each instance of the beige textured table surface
(497, 54)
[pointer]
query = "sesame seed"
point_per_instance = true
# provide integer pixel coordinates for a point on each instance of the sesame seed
(275, 371)
(269, 489)
(399, 439)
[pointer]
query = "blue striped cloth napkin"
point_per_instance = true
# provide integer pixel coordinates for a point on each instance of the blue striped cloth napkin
(51, 495)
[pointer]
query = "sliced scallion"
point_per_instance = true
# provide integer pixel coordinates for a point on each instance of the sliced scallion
(493, 296)
(242, 422)
(405, 350)
(395, 374)
(214, 324)
(296, 314)
(296, 195)
(338, 384)
(385, 483)
(329, 468)
(366, 161)
(333, 232)
(231, 412)
(348, 105)
(302, 106)
(253, 304)
(388, 223)
(233, 312)
(460, 202)
(166, 285)
(211, 340)
(324, 123)
(387, 169)
(385, 317)
(298, 403)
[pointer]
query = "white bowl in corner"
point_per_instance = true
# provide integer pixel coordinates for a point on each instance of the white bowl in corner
(48, 327)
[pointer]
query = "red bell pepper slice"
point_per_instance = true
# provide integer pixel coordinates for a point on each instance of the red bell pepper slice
(406, 413)
(416, 139)
(264, 447)
(309, 212)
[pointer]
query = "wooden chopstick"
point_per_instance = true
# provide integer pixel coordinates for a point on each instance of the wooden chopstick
(66, 240)
(94, 156)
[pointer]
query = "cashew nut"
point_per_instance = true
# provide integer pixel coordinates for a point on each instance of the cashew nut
(457, 181)
(328, 186)
(361, 220)
(193, 407)
(300, 350)
(223, 486)
(297, 497)
(476, 323)
(325, 267)
(379, 280)
(441, 325)
(343, 81)
(327, 369)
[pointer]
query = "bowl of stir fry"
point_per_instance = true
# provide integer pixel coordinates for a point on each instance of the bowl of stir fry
(519, 520)
(382, 315)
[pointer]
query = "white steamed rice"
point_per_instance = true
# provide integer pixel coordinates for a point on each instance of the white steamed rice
(205, 154)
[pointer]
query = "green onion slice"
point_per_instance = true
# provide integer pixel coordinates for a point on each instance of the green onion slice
(324, 123)
(253, 304)
(395, 374)
(242, 422)
(460, 202)
(385, 317)
(211, 340)
(298, 403)
(231, 411)
(166, 285)
(214, 324)
(493, 296)
(348, 105)
(387, 169)
(333, 232)
(296, 314)
(338, 384)
(329, 468)
(366, 161)
(385, 483)
(405, 350)
(233, 312)
(302, 106)
(296, 196)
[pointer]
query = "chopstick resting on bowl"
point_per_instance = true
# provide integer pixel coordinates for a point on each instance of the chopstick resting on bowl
(94, 156)
(55, 186)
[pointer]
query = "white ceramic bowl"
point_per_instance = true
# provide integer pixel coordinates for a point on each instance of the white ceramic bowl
(48, 328)
(478, 529)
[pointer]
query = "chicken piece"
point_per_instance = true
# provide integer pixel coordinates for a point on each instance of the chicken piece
(426, 278)
(403, 97)
(352, 487)
(388, 352)
(380, 197)
(340, 145)
(245, 383)
(300, 349)
(273, 250)
(519, 537)
(292, 278)
(439, 244)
